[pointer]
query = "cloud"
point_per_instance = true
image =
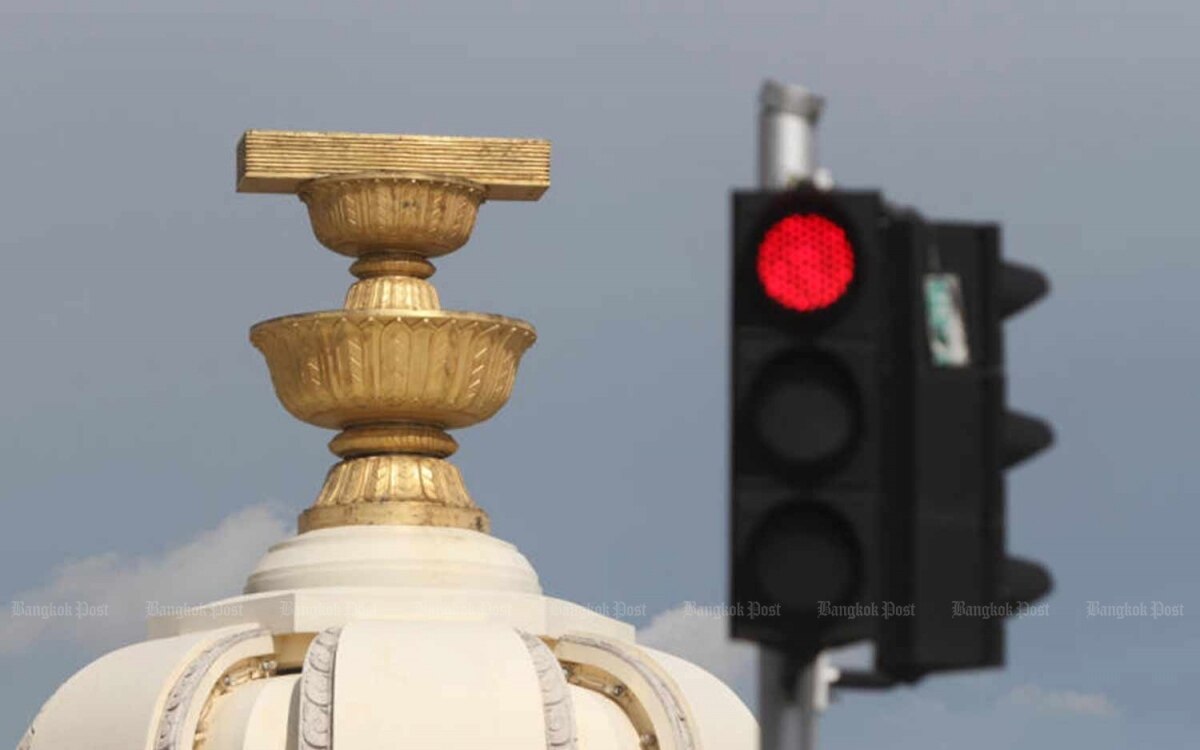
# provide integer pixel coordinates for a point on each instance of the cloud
(700, 634)
(702, 637)
(932, 714)
(100, 602)
(1062, 702)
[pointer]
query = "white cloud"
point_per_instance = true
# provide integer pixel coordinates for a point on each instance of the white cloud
(700, 634)
(1062, 701)
(101, 601)
(702, 637)
(931, 714)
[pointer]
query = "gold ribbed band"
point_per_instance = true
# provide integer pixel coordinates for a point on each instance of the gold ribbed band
(394, 489)
(392, 293)
(392, 264)
(392, 280)
(366, 440)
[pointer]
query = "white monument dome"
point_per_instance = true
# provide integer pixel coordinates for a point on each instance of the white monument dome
(393, 619)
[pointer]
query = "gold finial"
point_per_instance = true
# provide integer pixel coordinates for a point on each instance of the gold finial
(392, 370)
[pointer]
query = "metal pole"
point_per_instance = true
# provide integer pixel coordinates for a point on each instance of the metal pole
(787, 134)
(787, 154)
(790, 704)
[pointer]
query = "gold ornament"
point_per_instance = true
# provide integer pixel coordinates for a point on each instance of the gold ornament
(392, 371)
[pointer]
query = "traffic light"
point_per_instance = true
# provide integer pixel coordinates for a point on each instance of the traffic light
(871, 434)
(950, 559)
(815, 432)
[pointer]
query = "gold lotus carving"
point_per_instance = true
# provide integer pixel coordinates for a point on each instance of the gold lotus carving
(364, 213)
(342, 368)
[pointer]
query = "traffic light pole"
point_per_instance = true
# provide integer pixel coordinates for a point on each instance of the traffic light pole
(790, 700)
(787, 136)
(789, 703)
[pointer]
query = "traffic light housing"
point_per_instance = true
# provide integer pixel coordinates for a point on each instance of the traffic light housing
(870, 432)
(949, 558)
(814, 439)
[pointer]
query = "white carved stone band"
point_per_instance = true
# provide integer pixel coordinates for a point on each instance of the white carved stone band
(316, 692)
(171, 721)
(561, 733)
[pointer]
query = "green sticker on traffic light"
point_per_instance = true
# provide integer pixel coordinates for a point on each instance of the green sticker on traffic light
(945, 322)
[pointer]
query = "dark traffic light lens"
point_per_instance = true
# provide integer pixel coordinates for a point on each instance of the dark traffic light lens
(803, 555)
(805, 411)
(805, 262)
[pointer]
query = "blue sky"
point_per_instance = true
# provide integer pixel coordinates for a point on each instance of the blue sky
(140, 425)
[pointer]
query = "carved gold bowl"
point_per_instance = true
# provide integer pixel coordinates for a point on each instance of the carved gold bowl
(371, 212)
(344, 368)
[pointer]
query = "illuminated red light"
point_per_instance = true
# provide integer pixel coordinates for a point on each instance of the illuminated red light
(805, 262)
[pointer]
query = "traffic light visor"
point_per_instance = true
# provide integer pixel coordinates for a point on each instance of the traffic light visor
(805, 262)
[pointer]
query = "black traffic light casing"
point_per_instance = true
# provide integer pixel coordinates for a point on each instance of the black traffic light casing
(832, 370)
(949, 554)
(900, 529)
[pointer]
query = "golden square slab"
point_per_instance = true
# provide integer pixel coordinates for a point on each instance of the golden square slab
(279, 161)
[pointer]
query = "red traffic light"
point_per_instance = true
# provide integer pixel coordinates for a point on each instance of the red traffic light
(805, 262)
